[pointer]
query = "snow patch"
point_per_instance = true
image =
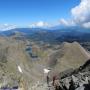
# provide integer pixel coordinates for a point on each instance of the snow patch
(20, 70)
(46, 70)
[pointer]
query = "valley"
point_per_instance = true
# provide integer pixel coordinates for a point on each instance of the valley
(23, 60)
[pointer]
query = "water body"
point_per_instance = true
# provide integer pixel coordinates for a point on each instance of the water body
(29, 50)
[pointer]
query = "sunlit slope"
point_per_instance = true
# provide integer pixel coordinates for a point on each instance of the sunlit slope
(70, 55)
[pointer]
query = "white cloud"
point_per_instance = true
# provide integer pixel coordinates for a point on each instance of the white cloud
(66, 22)
(86, 25)
(4, 27)
(39, 24)
(81, 13)
(63, 22)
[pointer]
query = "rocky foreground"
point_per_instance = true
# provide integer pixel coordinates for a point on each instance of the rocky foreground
(78, 79)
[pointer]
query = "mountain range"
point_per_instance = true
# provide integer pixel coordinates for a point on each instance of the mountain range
(69, 34)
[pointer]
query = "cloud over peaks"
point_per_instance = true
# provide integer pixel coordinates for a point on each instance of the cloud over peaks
(66, 22)
(4, 27)
(86, 25)
(39, 24)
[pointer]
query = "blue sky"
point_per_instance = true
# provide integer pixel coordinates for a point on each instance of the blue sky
(25, 12)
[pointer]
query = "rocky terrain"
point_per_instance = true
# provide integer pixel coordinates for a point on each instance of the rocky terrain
(78, 79)
(69, 56)
(22, 62)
